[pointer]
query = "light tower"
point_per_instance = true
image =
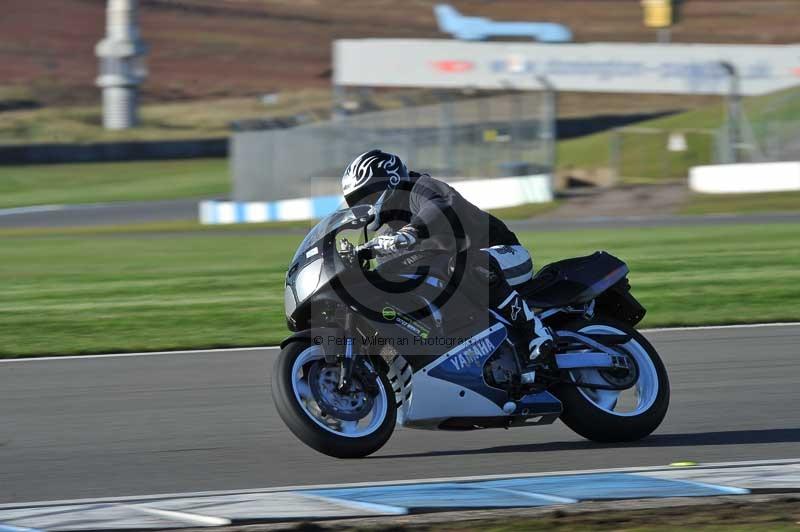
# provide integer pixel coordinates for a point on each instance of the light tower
(122, 66)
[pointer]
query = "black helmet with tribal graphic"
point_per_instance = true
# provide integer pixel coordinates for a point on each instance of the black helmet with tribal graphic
(372, 178)
(370, 175)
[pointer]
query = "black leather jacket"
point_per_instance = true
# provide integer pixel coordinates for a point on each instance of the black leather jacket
(443, 219)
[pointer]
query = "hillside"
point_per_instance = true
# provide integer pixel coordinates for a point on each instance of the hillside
(214, 48)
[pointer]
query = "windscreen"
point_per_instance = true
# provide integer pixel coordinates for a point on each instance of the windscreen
(325, 226)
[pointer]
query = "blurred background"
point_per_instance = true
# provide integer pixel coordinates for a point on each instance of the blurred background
(159, 159)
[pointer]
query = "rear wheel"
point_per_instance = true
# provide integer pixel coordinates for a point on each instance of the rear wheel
(612, 415)
(305, 392)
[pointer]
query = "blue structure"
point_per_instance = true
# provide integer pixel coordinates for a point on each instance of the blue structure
(480, 28)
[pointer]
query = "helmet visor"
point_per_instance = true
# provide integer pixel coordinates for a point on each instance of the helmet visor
(368, 194)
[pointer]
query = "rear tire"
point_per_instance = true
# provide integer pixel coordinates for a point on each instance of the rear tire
(309, 431)
(600, 424)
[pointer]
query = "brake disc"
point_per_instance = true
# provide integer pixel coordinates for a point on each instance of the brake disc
(353, 405)
(622, 378)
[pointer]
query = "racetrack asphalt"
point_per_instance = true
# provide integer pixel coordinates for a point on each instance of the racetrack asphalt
(93, 214)
(125, 213)
(136, 425)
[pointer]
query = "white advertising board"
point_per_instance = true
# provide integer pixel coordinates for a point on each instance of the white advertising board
(745, 178)
(591, 67)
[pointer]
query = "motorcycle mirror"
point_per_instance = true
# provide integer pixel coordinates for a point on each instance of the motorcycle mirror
(364, 214)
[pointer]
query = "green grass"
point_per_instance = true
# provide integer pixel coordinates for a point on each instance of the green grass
(99, 291)
(144, 180)
(525, 211)
(124, 181)
(173, 120)
(742, 203)
(644, 157)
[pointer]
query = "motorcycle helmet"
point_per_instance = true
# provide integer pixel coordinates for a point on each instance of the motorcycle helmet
(372, 178)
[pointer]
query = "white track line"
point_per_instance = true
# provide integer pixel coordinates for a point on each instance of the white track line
(183, 517)
(362, 506)
(27, 210)
(723, 327)
(273, 347)
(142, 354)
(143, 499)
(728, 489)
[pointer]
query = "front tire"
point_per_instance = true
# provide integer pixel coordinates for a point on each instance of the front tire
(299, 410)
(598, 415)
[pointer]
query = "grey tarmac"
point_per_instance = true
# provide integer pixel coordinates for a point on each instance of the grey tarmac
(96, 214)
(126, 213)
(185, 422)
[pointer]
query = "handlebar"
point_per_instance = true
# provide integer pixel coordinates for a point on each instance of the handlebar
(365, 251)
(368, 250)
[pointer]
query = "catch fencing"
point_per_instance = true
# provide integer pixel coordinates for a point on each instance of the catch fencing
(772, 129)
(639, 154)
(756, 130)
(502, 135)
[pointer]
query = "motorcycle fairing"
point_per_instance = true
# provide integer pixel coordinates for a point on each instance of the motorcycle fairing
(451, 389)
(463, 365)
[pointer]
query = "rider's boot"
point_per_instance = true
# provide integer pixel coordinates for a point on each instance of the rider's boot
(515, 310)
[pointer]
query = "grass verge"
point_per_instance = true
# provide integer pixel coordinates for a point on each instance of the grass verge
(525, 211)
(101, 291)
(775, 515)
(741, 203)
(161, 121)
(643, 154)
(123, 181)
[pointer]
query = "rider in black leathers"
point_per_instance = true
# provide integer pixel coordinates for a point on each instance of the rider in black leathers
(417, 210)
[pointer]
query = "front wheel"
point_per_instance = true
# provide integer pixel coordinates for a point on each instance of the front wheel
(612, 415)
(342, 425)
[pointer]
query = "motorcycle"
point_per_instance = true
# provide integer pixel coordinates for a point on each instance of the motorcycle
(366, 355)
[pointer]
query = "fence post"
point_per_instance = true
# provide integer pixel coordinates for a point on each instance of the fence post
(548, 131)
(446, 133)
(615, 154)
(487, 149)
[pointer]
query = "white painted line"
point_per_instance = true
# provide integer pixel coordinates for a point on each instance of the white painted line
(361, 506)
(27, 210)
(256, 348)
(142, 354)
(727, 489)
(723, 327)
(532, 495)
(301, 488)
(183, 517)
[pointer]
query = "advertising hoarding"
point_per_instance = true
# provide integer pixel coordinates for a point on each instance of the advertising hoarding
(590, 67)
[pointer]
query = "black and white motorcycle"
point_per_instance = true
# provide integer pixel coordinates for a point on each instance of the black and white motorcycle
(366, 355)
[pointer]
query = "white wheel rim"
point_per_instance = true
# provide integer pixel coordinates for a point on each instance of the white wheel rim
(625, 403)
(349, 429)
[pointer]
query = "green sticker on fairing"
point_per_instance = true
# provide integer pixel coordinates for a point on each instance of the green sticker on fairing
(406, 322)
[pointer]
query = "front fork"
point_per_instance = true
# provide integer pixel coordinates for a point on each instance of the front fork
(355, 365)
(346, 370)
